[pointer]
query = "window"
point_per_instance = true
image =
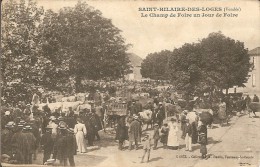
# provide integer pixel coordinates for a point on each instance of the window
(253, 80)
(254, 62)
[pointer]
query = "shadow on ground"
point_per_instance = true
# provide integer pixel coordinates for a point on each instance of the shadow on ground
(155, 159)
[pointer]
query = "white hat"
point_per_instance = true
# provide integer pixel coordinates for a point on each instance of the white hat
(135, 117)
(7, 113)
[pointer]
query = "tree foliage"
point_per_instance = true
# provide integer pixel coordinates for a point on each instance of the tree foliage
(57, 49)
(20, 52)
(214, 63)
(20, 40)
(83, 41)
(155, 65)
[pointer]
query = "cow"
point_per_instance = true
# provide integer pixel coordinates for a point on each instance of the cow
(52, 106)
(58, 98)
(72, 105)
(146, 117)
(253, 107)
(69, 99)
(82, 96)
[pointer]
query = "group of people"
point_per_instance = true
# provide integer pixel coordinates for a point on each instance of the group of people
(24, 133)
(167, 134)
(60, 136)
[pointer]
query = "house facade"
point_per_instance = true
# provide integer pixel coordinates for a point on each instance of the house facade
(253, 83)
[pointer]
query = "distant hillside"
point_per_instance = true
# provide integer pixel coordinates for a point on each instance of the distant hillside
(135, 60)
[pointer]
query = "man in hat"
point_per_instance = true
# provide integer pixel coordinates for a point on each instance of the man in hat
(138, 106)
(6, 137)
(92, 128)
(71, 146)
(54, 127)
(47, 144)
(60, 146)
(121, 132)
(96, 122)
(20, 145)
(135, 132)
(183, 122)
(160, 114)
(255, 98)
(6, 118)
(188, 135)
(27, 110)
(31, 143)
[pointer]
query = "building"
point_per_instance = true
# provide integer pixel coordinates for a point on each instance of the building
(253, 83)
(135, 62)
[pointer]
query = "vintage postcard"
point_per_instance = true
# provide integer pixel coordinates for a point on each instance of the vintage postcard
(123, 83)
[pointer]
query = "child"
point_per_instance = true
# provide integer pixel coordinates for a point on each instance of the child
(203, 143)
(164, 136)
(156, 136)
(146, 147)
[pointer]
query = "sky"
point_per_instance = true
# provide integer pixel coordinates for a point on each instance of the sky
(153, 34)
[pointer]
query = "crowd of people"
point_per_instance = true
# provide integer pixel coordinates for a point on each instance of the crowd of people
(26, 130)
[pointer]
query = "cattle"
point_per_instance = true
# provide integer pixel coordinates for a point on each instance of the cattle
(52, 106)
(69, 99)
(201, 110)
(146, 117)
(82, 96)
(253, 107)
(58, 98)
(72, 105)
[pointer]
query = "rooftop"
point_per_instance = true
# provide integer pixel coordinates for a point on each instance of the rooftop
(254, 52)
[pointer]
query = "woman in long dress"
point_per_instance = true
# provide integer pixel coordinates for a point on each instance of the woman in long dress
(80, 131)
(173, 134)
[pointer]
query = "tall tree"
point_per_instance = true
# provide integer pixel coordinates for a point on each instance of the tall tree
(226, 60)
(19, 59)
(155, 65)
(216, 62)
(185, 69)
(91, 46)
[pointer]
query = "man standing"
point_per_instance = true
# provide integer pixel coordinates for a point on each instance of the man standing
(247, 100)
(160, 115)
(121, 132)
(91, 127)
(20, 145)
(32, 143)
(138, 107)
(47, 143)
(188, 134)
(256, 98)
(6, 136)
(135, 132)
(71, 146)
(183, 122)
(60, 146)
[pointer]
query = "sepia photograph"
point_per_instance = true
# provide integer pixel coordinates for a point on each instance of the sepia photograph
(125, 83)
